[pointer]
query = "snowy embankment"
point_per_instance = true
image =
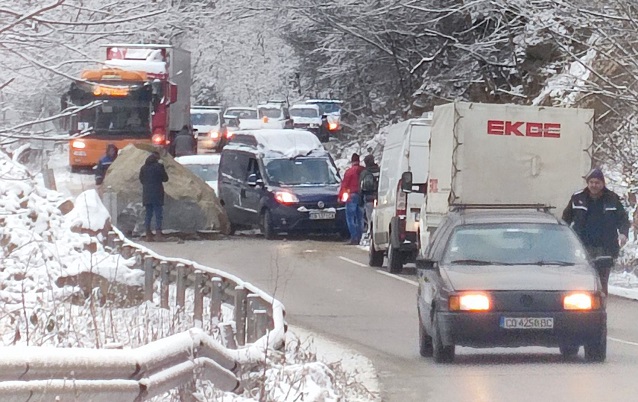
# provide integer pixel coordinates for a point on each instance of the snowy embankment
(46, 250)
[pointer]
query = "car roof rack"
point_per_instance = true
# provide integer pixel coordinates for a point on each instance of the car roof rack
(465, 207)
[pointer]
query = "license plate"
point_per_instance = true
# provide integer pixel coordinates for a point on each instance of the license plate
(322, 215)
(527, 322)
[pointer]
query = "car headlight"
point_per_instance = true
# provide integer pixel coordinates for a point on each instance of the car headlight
(580, 301)
(214, 134)
(469, 302)
(285, 197)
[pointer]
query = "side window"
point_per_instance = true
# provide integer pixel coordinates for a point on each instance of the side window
(388, 164)
(235, 165)
(253, 168)
(440, 238)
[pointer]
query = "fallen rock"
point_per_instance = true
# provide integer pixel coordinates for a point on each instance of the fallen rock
(190, 204)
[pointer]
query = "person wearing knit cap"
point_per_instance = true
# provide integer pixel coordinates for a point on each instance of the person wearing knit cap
(350, 194)
(599, 219)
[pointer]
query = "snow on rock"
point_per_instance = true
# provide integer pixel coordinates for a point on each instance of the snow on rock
(89, 213)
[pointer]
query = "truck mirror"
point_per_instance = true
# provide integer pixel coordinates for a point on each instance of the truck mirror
(406, 182)
(172, 93)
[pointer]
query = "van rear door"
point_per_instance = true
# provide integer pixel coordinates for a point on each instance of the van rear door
(418, 156)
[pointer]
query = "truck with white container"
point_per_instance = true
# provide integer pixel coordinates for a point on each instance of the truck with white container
(500, 155)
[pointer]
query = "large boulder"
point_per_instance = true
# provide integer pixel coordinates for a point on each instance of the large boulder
(190, 205)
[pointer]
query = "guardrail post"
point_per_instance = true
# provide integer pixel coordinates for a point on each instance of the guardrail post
(126, 251)
(240, 314)
(181, 285)
(149, 278)
(227, 335)
(261, 323)
(215, 299)
(252, 304)
(164, 278)
(198, 307)
(110, 239)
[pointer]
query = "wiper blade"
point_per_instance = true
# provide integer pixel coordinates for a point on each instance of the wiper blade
(543, 262)
(472, 262)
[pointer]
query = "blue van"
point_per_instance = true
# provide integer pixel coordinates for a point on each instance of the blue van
(280, 181)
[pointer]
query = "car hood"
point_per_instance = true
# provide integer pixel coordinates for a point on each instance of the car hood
(520, 277)
(307, 120)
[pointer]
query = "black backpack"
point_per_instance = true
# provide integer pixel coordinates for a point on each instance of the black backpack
(369, 182)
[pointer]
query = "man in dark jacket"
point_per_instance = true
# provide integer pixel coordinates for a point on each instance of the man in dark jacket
(152, 176)
(184, 143)
(369, 182)
(599, 218)
(104, 163)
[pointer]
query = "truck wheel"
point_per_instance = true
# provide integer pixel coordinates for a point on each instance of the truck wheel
(441, 353)
(375, 257)
(596, 351)
(395, 260)
(266, 226)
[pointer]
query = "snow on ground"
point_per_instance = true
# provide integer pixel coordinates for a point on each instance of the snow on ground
(41, 248)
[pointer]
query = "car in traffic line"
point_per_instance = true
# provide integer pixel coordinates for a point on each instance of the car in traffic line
(280, 180)
(209, 123)
(205, 166)
(509, 278)
(308, 117)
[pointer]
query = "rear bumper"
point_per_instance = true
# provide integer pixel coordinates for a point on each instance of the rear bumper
(207, 143)
(483, 329)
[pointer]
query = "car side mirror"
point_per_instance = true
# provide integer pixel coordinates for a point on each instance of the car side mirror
(254, 181)
(603, 262)
(425, 264)
(406, 182)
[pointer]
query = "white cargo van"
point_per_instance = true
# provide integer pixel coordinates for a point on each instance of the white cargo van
(396, 215)
(499, 155)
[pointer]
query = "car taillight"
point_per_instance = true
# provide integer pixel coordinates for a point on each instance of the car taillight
(158, 139)
(333, 126)
(345, 197)
(265, 119)
(78, 144)
(229, 134)
(402, 201)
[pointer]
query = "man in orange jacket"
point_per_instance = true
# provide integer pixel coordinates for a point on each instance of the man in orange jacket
(350, 194)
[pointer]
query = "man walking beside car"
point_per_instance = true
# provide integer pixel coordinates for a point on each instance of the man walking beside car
(599, 219)
(369, 183)
(153, 176)
(349, 193)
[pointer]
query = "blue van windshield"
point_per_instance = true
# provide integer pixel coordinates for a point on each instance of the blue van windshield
(301, 172)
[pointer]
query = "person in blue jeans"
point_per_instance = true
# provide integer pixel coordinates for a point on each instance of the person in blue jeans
(153, 176)
(350, 194)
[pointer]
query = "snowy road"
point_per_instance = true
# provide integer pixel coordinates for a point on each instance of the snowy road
(328, 289)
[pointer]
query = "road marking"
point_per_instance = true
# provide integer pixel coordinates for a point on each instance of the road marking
(353, 262)
(380, 272)
(402, 279)
(622, 341)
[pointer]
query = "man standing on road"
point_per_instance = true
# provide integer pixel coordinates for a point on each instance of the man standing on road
(104, 163)
(369, 183)
(599, 218)
(349, 193)
(185, 142)
(153, 176)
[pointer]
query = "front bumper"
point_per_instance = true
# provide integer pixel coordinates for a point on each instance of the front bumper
(295, 219)
(483, 329)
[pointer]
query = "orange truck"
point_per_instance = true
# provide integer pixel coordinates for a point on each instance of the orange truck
(140, 95)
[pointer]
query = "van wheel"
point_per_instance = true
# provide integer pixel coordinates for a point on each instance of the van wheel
(395, 260)
(375, 257)
(266, 226)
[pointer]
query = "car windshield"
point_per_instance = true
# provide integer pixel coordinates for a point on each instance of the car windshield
(271, 113)
(304, 112)
(514, 244)
(204, 119)
(204, 172)
(329, 107)
(243, 113)
(301, 172)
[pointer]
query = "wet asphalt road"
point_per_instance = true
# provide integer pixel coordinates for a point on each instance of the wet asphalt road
(328, 288)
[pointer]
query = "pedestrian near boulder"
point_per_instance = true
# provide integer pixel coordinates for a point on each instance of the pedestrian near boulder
(153, 176)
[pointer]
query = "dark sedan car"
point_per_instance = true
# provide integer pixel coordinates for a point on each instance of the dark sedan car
(509, 278)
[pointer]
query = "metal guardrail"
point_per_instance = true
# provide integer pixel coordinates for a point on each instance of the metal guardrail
(35, 373)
